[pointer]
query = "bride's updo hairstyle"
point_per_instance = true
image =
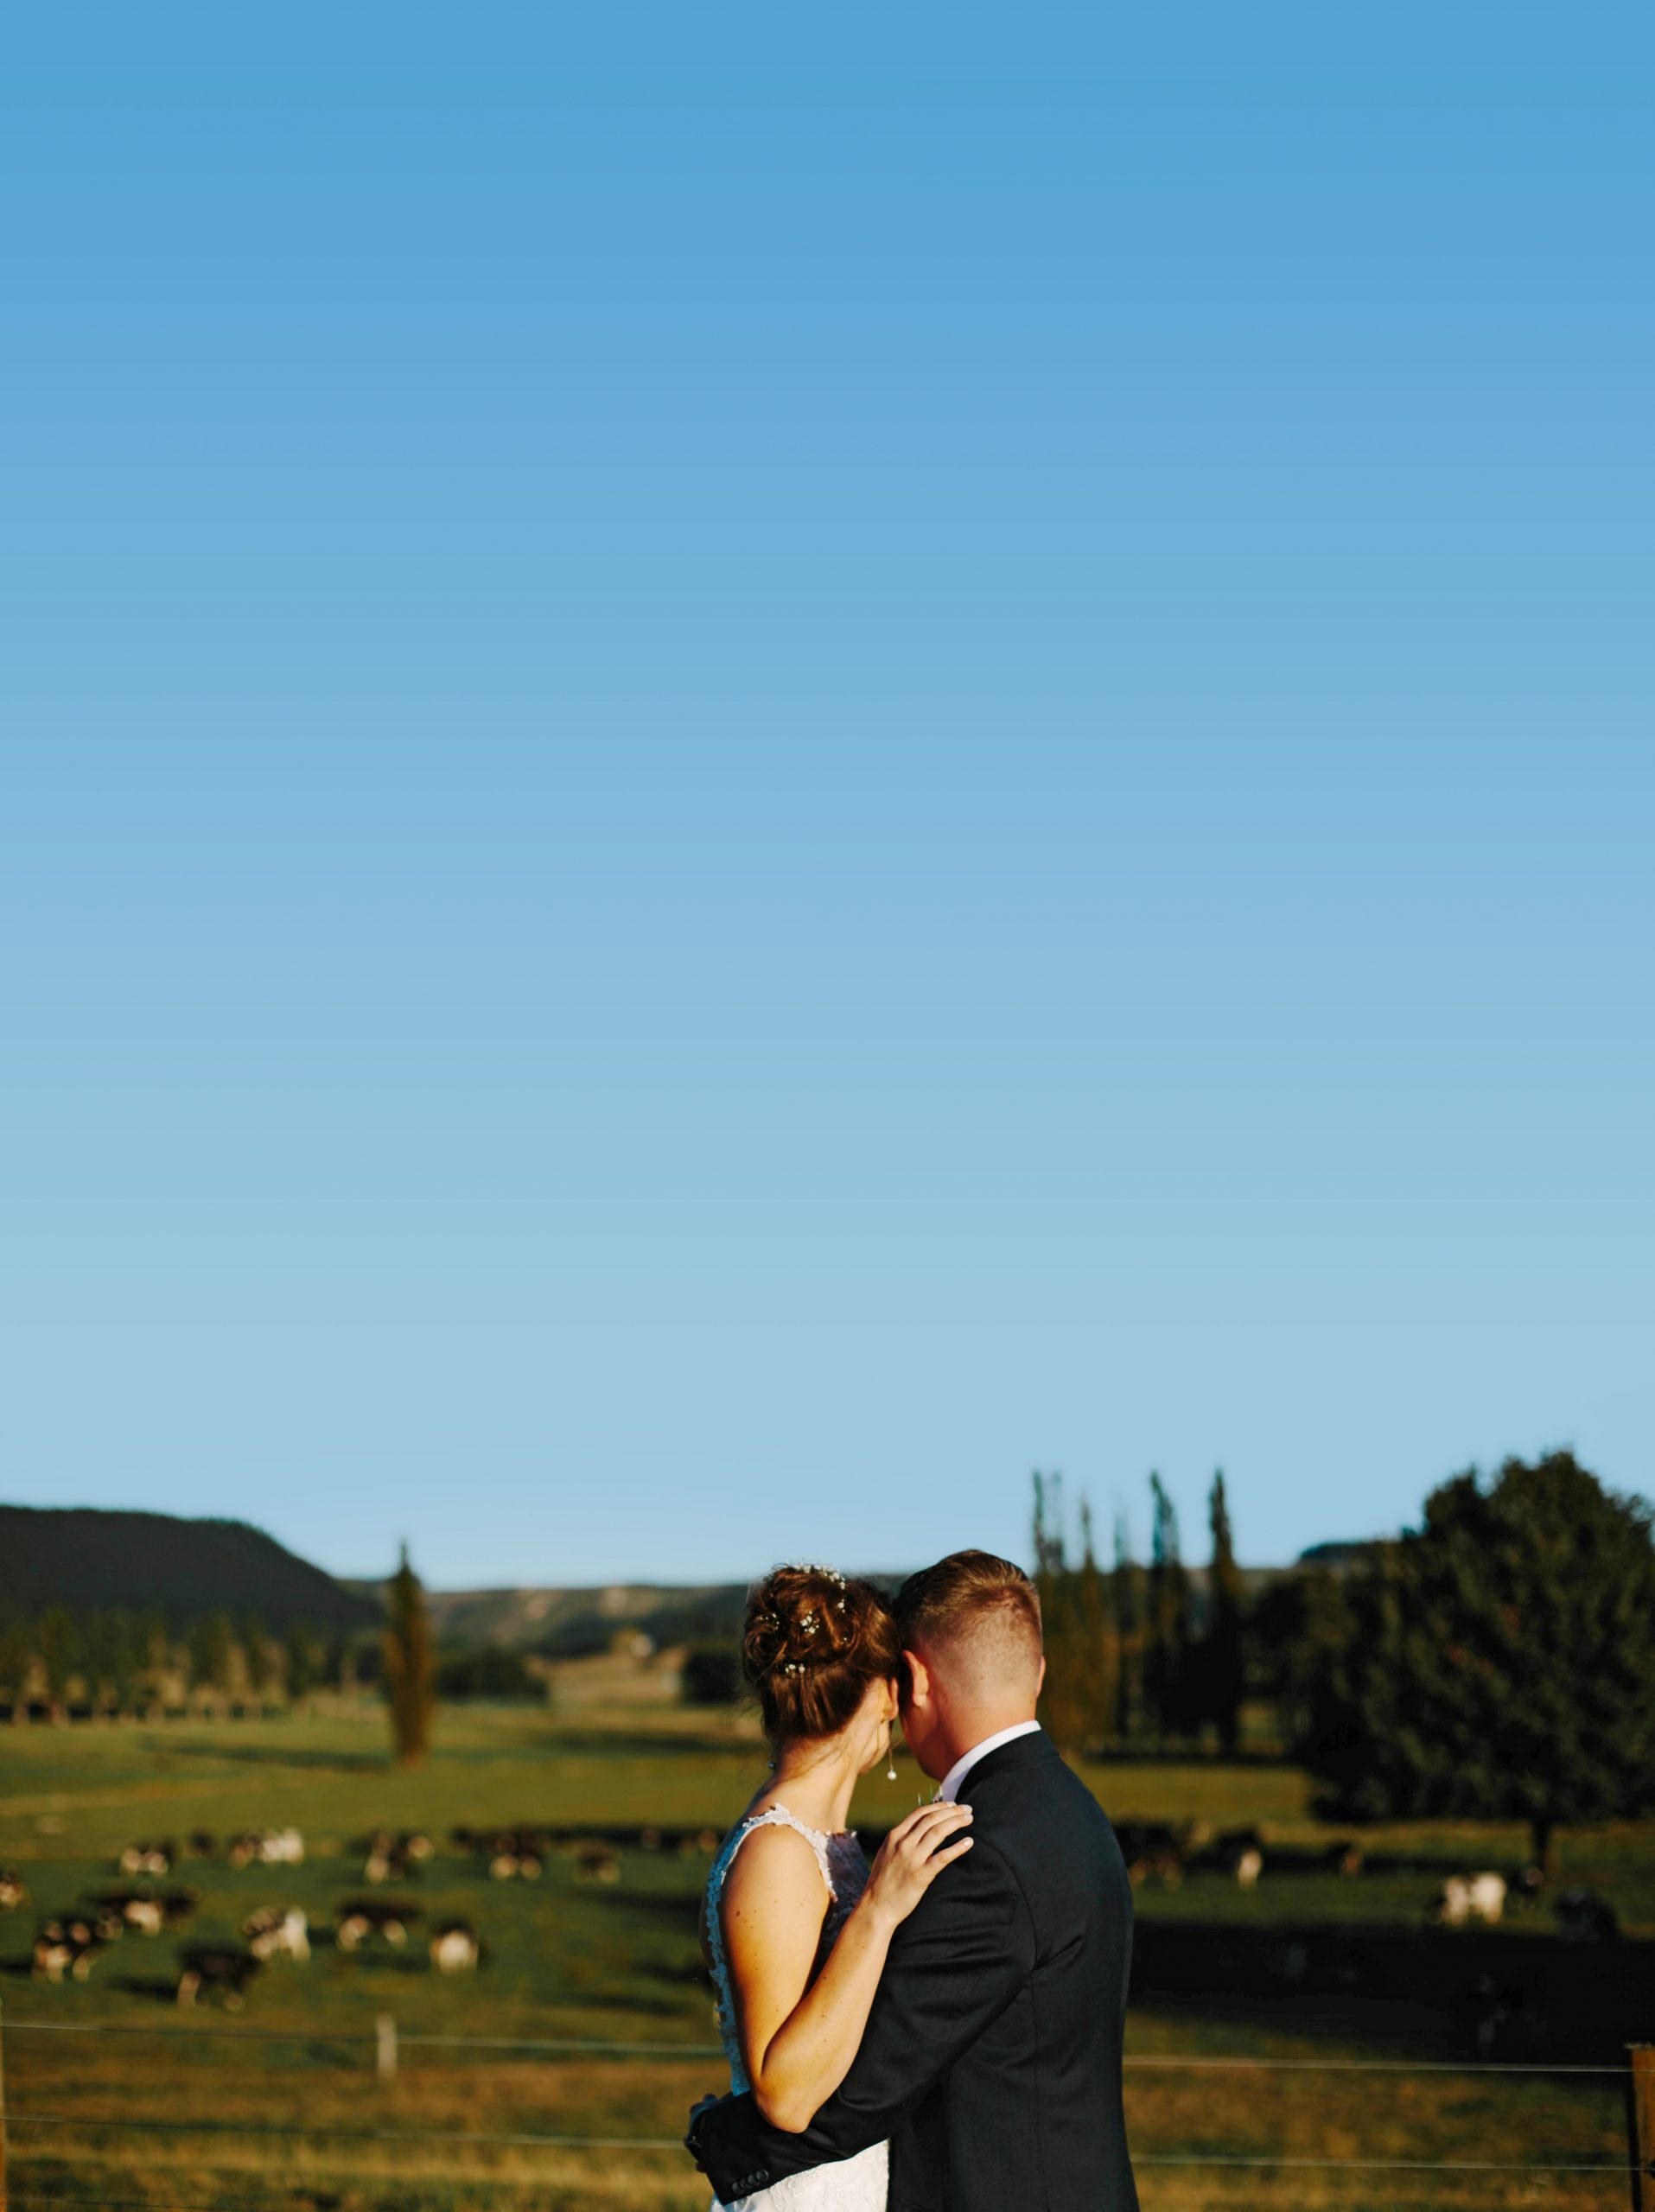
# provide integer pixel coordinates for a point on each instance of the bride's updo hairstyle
(812, 1642)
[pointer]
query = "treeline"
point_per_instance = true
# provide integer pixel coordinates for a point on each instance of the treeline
(1136, 1652)
(114, 1660)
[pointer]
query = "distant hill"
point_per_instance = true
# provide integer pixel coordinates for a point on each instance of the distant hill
(571, 1621)
(1346, 1556)
(567, 1623)
(87, 1559)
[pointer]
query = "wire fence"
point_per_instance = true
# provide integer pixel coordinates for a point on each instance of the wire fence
(1637, 2074)
(588, 2046)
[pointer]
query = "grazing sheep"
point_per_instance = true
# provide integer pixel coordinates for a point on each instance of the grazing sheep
(1465, 1897)
(12, 1892)
(277, 1931)
(594, 1864)
(455, 1948)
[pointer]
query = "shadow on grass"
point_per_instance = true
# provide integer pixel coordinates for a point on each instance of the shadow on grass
(276, 1755)
(149, 1986)
(1451, 1994)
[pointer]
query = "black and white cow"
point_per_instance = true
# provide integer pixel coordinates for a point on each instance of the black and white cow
(68, 1946)
(362, 1920)
(222, 1973)
(147, 1859)
(278, 1931)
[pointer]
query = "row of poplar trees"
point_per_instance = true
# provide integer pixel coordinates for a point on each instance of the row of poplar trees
(117, 1661)
(1130, 1657)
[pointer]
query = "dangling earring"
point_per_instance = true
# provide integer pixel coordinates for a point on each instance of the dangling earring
(890, 1762)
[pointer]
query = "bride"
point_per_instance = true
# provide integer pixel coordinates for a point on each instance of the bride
(795, 1922)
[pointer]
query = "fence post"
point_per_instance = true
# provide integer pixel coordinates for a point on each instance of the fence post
(385, 2028)
(1640, 2125)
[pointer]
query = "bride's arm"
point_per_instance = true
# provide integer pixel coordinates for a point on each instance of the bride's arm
(798, 2036)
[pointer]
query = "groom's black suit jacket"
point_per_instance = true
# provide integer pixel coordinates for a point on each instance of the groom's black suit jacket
(992, 2059)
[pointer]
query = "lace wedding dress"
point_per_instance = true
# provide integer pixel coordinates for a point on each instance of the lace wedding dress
(855, 2185)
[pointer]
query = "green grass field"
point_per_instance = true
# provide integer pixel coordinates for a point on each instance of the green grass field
(298, 2117)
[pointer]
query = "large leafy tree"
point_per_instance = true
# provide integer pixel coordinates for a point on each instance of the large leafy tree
(1498, 1663)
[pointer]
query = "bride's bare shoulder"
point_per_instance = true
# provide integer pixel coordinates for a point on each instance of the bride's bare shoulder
(775, 1874)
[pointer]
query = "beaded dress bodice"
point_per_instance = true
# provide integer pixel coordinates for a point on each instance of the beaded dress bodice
(844, 1870)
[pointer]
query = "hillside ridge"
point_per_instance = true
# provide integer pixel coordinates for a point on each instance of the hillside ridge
(94, 1558)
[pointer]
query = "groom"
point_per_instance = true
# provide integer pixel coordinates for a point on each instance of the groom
(992, 2059)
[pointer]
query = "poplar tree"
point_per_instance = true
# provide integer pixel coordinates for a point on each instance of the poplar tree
(257, 1658)
(1223, 1649)
(299, 1661)
(1127, 1582)
(1098, 1641)
(211, 1641)
(1167, 1669)
(16, 1658)
(1062, 1706)
(57, 1642)
(408, 1665)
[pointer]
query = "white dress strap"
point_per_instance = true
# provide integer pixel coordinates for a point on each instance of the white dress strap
(776, 1817)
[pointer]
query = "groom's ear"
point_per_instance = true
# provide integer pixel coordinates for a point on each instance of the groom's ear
(916, 1680)
(1041, 1684)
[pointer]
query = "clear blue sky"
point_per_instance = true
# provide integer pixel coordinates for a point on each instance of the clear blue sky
(761, 763)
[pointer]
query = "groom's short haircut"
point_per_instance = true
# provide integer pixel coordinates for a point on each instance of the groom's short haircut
(982, 1613)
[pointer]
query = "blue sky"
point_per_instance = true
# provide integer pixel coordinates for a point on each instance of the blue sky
(759, 765)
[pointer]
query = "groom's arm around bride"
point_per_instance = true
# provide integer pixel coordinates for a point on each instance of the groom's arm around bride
(992, 2057)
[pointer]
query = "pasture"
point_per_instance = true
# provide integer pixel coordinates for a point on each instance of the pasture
(286, 2112)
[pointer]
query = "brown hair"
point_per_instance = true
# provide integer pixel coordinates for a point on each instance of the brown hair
(973, 1598)
(811, 1644)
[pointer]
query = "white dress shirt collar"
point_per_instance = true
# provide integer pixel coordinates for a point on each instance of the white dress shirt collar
(954, 1779)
